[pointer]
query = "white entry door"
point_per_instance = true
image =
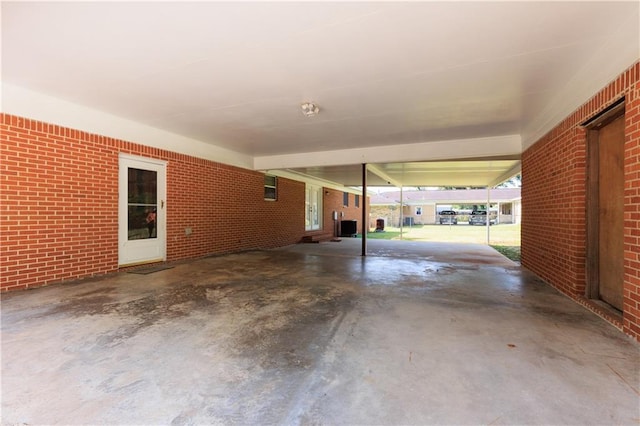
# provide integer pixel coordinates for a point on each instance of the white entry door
(141, 210)
(313, 207)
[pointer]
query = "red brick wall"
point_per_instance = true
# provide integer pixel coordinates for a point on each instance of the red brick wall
(333, 201)
(59, 204)
(554, 199)
(631, 320)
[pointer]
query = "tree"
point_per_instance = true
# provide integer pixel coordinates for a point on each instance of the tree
(514, 182)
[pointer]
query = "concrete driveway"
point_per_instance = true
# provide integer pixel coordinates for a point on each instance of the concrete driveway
(415, 333)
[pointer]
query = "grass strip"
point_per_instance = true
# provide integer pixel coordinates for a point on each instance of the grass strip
(510, 252)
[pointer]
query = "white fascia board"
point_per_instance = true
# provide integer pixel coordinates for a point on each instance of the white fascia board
(419, 203)
(453, 201)
(390, 203)
(37, 106)
(472, 201)
(424, 151)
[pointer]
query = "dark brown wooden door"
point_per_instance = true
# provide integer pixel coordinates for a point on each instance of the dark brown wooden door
(611, 212)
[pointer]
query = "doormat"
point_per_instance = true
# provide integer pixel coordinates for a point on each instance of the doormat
(149, 270)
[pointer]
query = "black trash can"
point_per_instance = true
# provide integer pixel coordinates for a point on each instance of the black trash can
(379, 225)
(348, 228)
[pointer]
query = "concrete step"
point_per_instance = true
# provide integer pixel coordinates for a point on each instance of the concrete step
(317, 238)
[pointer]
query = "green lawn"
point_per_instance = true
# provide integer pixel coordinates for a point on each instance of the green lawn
(511, 252)
(508, 235)
(504, 238)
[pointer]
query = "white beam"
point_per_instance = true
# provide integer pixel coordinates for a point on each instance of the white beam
(517, 168)
(312, 180)
(382, 175)
(425, 151)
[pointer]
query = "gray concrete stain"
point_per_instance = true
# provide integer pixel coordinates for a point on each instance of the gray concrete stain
(313, 334)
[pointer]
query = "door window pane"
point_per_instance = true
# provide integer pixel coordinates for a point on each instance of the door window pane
(142, 206)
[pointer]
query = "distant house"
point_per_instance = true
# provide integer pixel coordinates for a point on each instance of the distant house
(423, 207)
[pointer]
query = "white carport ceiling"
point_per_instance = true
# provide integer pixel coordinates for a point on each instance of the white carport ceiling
(396, 82)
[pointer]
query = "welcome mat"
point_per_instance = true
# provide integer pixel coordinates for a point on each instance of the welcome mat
(149, 270)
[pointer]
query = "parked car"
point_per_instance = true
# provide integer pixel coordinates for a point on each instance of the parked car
(479, 217)
(448, 217)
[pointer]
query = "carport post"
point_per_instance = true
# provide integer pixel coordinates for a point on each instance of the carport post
(488, 215)
(365, 225)
(401, 213)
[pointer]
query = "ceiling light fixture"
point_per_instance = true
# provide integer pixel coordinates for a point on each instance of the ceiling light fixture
(310, 109)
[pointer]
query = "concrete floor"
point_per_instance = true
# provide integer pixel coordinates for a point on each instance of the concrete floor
(415, 333)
